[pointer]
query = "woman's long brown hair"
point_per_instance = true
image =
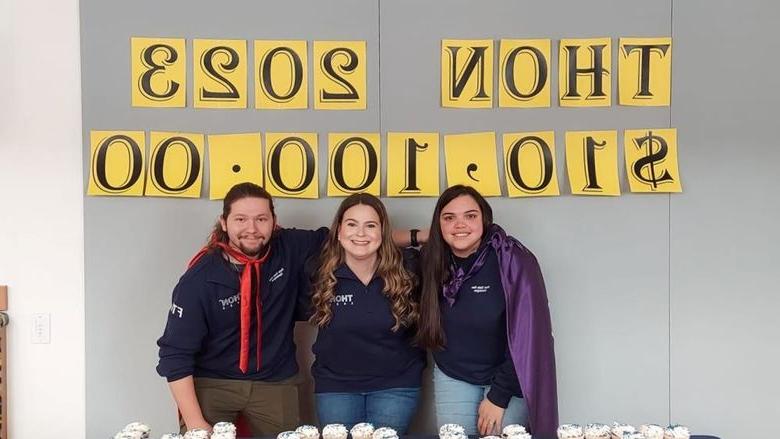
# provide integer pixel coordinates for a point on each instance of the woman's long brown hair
(436, 266)
(398, 283)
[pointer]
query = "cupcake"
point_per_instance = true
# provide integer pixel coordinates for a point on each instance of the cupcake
(652, 431)
(450, 431)
(363, 430)
(139, 428)
(129, 435)
(677, 432)
(334, 431)
(288, 435)
(171, 436)
(223, 430)
(618, 430)
(513, 430)
(308, 432)
(570, 431)
(633, 435)
(196, 433)
(597, 431)
(385, 433)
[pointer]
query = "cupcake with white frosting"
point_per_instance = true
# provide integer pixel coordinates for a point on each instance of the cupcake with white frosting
(385, 433)
(223, 430)
(652, 431)
(570, 431)
(363, 430)
(618, 430)
(136, 427)
(451, 431)
(196, 433)
(514, 431)
(677, 432)
(308, 432)
(633, 435)
(334, 431)
(288, 435)
(597, 431)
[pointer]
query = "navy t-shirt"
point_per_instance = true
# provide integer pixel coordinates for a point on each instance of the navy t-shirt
(357, 351)
(477, 351)
(201, 336)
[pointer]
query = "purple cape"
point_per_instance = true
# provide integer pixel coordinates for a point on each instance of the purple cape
(529, 330)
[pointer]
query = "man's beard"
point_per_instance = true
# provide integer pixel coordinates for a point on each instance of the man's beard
(253, 252)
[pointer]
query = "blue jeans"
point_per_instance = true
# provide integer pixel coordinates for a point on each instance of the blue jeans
(384, 408)
(457, 402)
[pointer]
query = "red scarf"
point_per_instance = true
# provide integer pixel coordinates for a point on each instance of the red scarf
(250, 265)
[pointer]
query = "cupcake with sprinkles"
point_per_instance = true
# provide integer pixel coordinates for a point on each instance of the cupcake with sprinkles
(677, 432)
(597, 431)
(451, 431)
(223, 430)
(363, 430)
(652, 431)
(334, 431)
(196, 433)
(618, 430)
(512, 430)
(308, 432)
(570, 431)
(385, 433)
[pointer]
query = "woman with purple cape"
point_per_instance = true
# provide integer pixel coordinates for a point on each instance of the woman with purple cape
(484, 315)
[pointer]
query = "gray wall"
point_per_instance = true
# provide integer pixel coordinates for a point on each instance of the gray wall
(662, 305)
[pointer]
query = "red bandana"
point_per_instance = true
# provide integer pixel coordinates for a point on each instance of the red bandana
(250, 265)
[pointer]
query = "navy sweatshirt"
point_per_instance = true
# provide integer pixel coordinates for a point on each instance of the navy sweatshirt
(201, 336)
(357, 351)
(477, 351)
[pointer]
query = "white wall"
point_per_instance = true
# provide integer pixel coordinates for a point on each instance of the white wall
(41, 214)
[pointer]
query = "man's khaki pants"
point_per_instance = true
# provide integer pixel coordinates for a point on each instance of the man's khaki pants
(268, 407)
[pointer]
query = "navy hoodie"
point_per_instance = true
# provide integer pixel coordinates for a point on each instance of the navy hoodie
(201, 335)
(477, 351)
(357, 351)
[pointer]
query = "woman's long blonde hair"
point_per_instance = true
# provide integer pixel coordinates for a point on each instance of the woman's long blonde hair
(398, 282)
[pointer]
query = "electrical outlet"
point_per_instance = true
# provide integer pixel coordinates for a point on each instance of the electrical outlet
(41, 329)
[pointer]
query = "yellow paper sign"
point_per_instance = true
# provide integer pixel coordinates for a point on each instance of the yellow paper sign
(175, 165)
(591, 162)
(353, 163)
(158, 72)
(645, 71)
(340, 75)
(117, 163)
(281, 80)
(529, 160)
(412, 164)
(524, 77)
(471, 160)
(233, 159)
(651, 160)
(584, 67)
(291, 165)
(219, 73)
(467, 73)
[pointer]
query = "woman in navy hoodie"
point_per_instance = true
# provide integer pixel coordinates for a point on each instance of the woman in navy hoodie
(366, 369)
(484, 314)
